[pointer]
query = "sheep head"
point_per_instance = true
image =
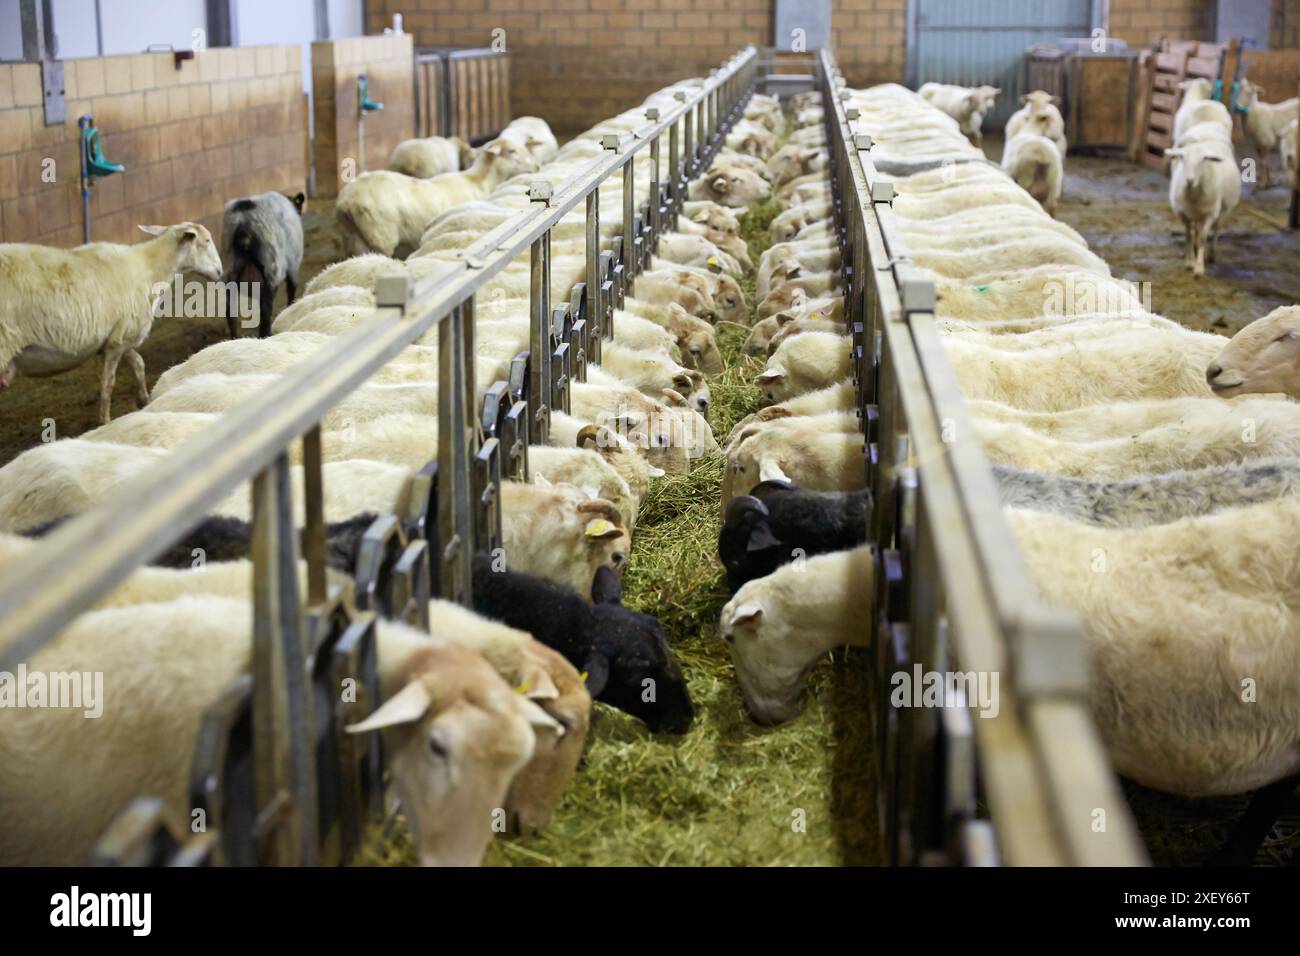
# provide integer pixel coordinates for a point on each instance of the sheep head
(1264, 357)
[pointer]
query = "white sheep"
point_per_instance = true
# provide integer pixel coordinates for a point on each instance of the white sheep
(967, 105)
(1264, 356)
(1127, 366)
(1204, 188)
(778, 626)
(1034, 162)
(1198, 107)
(431, 156)
(61, 306)
(561, 534)
(805, 363)
(177, 658)
(810, 452)
(1266, 124)
(1190, 629)
(1039, 114)
(387, 213)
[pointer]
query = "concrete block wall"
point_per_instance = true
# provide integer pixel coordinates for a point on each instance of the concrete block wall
(388, 62)
(228, 123)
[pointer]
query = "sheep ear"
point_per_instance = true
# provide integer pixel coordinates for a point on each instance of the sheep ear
(720, 185)
(540, 719)
(300, 200)
(588, 433)
(606, 587)
(152, 230)
(770, 375)
(713, 264)
(674, 398)
(596, 671)
(494, 148)
(189, 235)
(656, 472)
(784, 318)
(1024, 97)
(541, 481)
(761, 538)
(769, 470)
(538, 685)
(682, 380)
(1174, 153)
(407, 706)
(746, 614)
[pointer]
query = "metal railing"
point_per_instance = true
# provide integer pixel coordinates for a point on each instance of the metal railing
(265, 735)
(461, 92)
(1031, 785)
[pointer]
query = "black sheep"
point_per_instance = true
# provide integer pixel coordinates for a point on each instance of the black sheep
(230, 539)
(777, 522)
(262, 242)
(623, 652)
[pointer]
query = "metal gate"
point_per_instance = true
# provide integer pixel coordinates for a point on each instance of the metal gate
(971, 42)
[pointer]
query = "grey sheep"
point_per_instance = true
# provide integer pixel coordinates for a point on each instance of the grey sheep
(1149, 499)
(261, 238)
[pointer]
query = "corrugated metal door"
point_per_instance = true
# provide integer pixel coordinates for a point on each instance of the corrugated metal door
(969, 42)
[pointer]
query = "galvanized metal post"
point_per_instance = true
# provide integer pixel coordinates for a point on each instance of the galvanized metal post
(314, 532)
(656, 220)
(455, 506)
(674, 174)
(283, 747)
(539, 317)
(595, 305)
(630, 262)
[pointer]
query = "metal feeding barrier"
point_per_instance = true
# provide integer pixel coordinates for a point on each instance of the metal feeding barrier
(462, 92)
(274, 778)
(1031, 785)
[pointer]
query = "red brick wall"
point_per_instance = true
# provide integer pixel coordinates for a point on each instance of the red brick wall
(575, 62)
(228, 123)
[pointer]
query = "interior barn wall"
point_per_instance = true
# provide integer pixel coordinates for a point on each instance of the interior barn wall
(228, 123)
(576, 62)
(387, 62)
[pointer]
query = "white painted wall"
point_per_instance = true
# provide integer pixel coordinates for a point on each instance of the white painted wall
(346, 19)
(130, 26)
(11, 31)
(74, 28)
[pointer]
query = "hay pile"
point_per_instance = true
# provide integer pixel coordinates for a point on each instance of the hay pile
(728, 792)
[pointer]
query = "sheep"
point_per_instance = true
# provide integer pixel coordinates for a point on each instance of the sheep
(1147, 500)
(752, 138)
(72, 475)
(709, 213)
(725, 239)
(779, 625)
(690, 290)
(1204, 188)
(1208, 132)
(950, 175)
(825, 308)
(365, 270)
(786, 225)
(732, 185)
(543, 676)
(698, 251)
(1124, 439)
(344, 296)
(791, 260)
(790, 290)
(1034, 162)
(967, 105)
(1198, 107)
(1183, 622)
(177, 658)
(658, 432)
(1039, 114)
(806, 363)
(1121, 368)
(727, 296)
(585, 469)
(560, 534)
(261, 237)
(792, 161)
(1263, 357)
(1072, 329)
(804, 452)
(634, 332)
(695, 338)
(537, 136)
(386, 212)
(1008, 255)
(568, 431)
(972, 228)
(931, 206)
(838, 398)
(431, 156)
(652, 372)
(622, 653)
(61, 306)
(779, 522)
(1047, 290)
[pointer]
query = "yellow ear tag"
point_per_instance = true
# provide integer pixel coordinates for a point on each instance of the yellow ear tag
(701, 216)
(522, 689)
(583, 678)
(815, 315)
(713, 262)
(598, 527)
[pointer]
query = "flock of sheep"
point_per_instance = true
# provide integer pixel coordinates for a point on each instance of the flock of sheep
(1147, 470)
(1145, 494)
